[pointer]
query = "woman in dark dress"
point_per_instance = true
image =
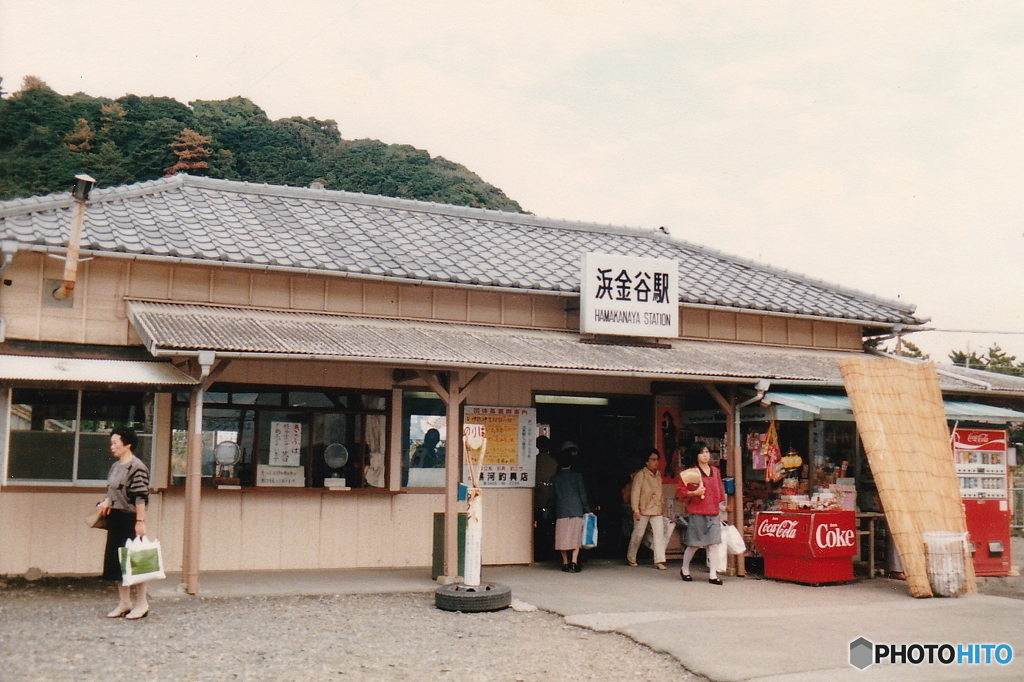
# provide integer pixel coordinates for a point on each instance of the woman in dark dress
(125, 510)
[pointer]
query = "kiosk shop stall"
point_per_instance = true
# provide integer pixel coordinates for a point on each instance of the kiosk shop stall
(802, 460)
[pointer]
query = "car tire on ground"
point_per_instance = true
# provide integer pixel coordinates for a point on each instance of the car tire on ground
(472, 598)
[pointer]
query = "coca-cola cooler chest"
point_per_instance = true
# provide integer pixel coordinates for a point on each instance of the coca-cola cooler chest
(812, 547)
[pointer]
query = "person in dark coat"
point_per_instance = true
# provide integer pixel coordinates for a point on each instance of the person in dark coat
(570, 505)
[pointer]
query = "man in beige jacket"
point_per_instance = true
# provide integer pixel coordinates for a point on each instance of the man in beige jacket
(648, 504)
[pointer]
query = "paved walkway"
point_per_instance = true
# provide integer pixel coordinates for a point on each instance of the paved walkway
(747, 629)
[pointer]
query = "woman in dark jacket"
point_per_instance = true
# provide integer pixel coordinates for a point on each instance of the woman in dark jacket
(125, 510)
(570, 506)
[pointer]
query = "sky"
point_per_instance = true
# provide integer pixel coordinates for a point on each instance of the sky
(873, 145)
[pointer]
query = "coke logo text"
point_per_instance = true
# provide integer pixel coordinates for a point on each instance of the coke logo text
(786, 528)
(831, 535)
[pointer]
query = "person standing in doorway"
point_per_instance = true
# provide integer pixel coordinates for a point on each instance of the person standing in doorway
(570, 505)
(703, 502)
(125, 510)
(648, 505)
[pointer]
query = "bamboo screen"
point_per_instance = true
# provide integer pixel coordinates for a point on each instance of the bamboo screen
(902, 422)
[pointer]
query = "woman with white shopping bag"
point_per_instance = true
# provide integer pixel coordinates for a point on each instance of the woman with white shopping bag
(701, 486)
(124, 507)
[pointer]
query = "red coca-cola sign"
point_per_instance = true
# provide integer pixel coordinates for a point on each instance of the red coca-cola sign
(989, 440)
(833, 536)
(784, 529)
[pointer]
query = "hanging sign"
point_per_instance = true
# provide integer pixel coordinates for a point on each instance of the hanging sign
(504, 439)
(629, 296)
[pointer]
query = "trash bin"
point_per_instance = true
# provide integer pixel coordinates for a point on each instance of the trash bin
(944, 552)
(437, 566)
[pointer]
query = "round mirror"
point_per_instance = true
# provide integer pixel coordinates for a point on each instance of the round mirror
(336, 455)
(227, 452)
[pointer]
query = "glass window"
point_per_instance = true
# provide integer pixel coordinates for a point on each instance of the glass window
(309, 399)
(317, 441)
(60, 435)
(423, 436)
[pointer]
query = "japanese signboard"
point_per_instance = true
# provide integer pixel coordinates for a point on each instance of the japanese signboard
(504, 440)
(285, 444)
(629, 296)
(274, 476)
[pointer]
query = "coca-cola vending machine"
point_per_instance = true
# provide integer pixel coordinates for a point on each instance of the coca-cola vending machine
(980, 456)
(812, 547)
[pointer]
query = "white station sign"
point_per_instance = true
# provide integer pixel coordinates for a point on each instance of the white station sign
(629, 296)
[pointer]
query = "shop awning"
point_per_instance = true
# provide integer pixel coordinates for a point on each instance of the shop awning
(179, 330)
(30, 370)
(839, 406)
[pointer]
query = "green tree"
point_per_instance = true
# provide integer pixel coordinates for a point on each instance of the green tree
(46, 138)
(995, 360)
(966, 359)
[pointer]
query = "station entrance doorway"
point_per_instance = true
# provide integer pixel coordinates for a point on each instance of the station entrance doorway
(613, 434)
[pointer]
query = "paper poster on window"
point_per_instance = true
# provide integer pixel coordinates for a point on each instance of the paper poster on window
(284, 477)
(502, 444)
(285, 444)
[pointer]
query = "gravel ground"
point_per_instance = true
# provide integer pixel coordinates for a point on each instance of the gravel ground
(55, 630)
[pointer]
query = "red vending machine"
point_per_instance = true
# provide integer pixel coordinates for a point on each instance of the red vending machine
(980, 456)
(812, 547)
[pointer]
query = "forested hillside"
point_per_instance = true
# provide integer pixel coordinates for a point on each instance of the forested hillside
(46, 138)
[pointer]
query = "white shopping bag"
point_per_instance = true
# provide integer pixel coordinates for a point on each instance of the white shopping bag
(141, 561)
(717, 557)
(732, 539)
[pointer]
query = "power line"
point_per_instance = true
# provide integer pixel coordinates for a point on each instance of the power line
(969, 331)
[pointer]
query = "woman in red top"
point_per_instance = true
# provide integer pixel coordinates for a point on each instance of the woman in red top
(703, 500)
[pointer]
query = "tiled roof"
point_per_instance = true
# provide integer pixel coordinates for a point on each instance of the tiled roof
(177, 329)
(204, 219)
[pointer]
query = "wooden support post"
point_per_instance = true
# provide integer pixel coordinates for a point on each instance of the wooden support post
(453, 394)
(452, 475)
(193, 487)
(194, 471)
(734, 466)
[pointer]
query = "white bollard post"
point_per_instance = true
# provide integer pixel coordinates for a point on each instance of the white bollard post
(474, 533)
